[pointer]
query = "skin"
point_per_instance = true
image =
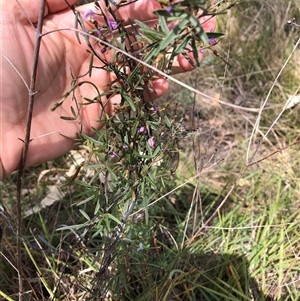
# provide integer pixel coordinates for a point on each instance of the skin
(60, 53)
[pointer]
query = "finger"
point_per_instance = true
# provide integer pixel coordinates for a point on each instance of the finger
(157, 89)
(55, 6)
(22, 10)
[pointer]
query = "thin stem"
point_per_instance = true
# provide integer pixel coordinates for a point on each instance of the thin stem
(32, 92)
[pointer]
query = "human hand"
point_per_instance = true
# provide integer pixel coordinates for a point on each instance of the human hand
(60, 54)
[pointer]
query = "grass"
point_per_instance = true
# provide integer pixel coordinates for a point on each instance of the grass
(219, 229)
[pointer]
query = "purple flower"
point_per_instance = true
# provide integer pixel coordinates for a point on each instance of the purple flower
(212, 41)
(112, 24)
(151, 142)
(155, 108)
(97, 33)
(142, 130)
(169, 9)
(89, 15)
(113, 155)
(103, 49)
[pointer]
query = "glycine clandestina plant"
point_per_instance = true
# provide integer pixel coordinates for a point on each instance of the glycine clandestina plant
(135, 152)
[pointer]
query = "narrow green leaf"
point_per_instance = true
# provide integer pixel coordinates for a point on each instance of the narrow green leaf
(77, 21)
(128, 99)
(152, 34)
(152, 53)
(157, 150)
(215, 35)
(201, 34)
(113, 218)
(134, 128)
(168, 122)
(91, 64)
(84, 214)
(163, 24)
(97, 208)
(85, 201)
(195, 53)
(68, 118)
(73, 111)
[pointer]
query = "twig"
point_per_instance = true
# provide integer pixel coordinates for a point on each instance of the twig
(273, 153)
(32, 92)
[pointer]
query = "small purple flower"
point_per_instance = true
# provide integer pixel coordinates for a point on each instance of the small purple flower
(112, 24)
(113, 155)
(142, 130)
(151, 142)
(103, 49)
(169, 9)
(212, 41)
(155, 108)
(97, 33)
(89, 15)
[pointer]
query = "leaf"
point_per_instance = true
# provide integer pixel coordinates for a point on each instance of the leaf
(189, 60)
(84, 214)
(215, 35)
(97, 208)
(78, 20)
(73, 111)
(68, 118)
(168, 122)
(153, 53)
(201, 34)
(91, 64)
(128, 99)
(193, 3)
(163, 24)
(150, 180)
(113, 218)
(169, 39)
(195, 53)
(152, 34)
(134, 129)
(85, 201)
